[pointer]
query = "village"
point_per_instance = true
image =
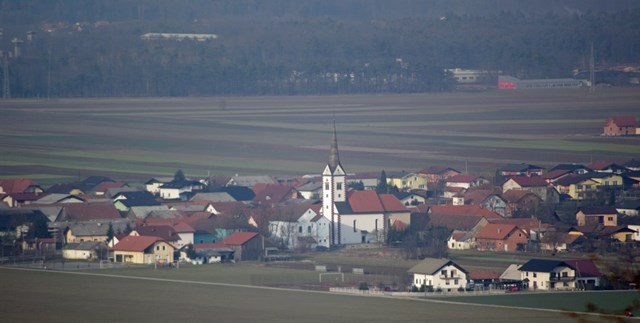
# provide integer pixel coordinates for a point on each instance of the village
(569, 209)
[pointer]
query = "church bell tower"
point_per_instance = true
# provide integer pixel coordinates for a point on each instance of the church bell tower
(334, 189)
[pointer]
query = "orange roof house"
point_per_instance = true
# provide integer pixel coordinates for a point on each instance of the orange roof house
(620, 126)
(142, 250)
(501, 237)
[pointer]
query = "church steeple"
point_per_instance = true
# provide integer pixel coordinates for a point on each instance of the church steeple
(334, 156)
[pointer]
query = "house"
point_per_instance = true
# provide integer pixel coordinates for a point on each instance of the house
(571, 168)
(439, 274)
(466, 181)
(246, 245)
(536, 184)
(532, 226)
(406, 181)
(487, 199)
(126, 200)
(410, 199)
(464, 223)
(104, 211)
(501, 237)
(561, 241)
(56, 198)
(153, 184)
(577, 187)
(620, 126)
(510, 170)
(250, 181)
(93, 230)
(213, 197)
(311, 190)
(86, 250)
(546, 274)
(102, 188)
(165, 232)
(21, 199)
(435, 174)
(11, 186)
(460, 240)
(588, 275)
(142, 250)
(632, 165)
(177, 189)
(521, 202)
(628, 207)
(369, 180)
(272, 194)
(299, 229)
(607, 167)
(214, 252)
(604, 215)
(239, 193)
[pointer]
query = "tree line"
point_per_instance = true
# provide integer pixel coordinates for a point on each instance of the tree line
(298, 54)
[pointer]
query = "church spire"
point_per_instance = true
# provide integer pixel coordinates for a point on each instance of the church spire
(334, 157)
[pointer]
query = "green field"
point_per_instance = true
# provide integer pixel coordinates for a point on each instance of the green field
(208, 293)
(138, 138)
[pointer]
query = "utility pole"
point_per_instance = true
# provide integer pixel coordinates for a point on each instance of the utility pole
(5, 75)
(592, 73)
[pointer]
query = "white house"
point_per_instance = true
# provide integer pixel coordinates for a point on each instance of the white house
(439, 273)
(460, 240)
(546, 274)
(308, 230)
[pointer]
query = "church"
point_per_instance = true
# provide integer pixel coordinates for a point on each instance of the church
(357, 217)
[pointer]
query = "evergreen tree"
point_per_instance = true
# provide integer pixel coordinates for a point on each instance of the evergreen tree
(179, 176)
(110, 233)
(382, 187)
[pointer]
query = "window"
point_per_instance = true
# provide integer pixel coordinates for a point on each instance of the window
(300, 229)
(535, 275)
(163, 248)
(309, 229)
(376, 224)
(157, 248)
(326, 186)
(565, 274)
(339, 186)
(443, 272)
(610, 218)
(354, 226)
(455, 282)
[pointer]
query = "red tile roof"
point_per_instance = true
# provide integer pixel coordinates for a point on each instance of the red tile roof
(165, 232)
(391, 203)
(454, 222)
(526, 181)
(495, 231)
(10, 186)
(467, 210)
(585, 267)
(91, 211)
(365, 201)
(555, 174)
(133, 243)
(273, 193)
(182, 227)
(599, 165)
(239, 238)
(437, 170)
(399, 225)
(514, 196)
(102, 187)
(622, 121)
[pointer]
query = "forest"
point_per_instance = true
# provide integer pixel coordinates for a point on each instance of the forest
(284, 47)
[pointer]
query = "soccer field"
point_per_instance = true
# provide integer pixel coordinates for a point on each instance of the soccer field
(51, 296)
